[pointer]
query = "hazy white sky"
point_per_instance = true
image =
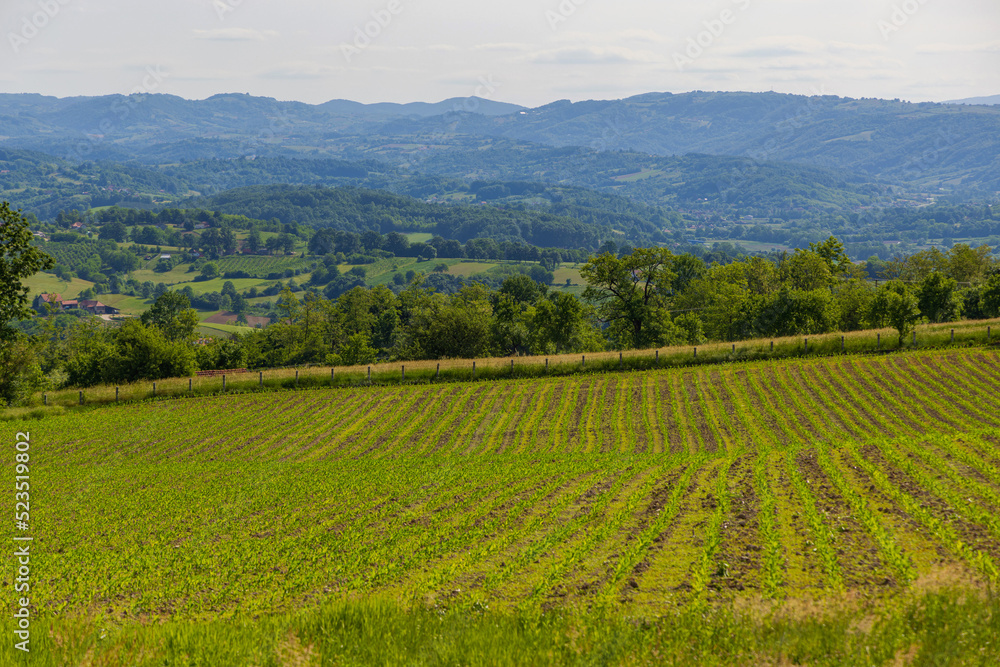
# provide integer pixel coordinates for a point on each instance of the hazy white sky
(526, 51)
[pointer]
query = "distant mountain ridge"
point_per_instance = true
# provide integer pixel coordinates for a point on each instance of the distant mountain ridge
(926, 146)
(990, 99)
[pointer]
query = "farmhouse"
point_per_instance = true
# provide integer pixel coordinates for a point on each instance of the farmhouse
(92, 306)
(42, 299)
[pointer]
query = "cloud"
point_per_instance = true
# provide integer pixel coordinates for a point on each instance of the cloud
(432, 48)
(940, 47)
(591, 55)
(503, 46)
(235, 35)
(793, 45)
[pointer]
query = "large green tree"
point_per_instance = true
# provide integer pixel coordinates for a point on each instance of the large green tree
(20, 373)
(18, 260)
(173, 316)
(632, 293)
(894, 305)
(938, 298)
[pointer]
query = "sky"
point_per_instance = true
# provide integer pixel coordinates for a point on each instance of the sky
(529, 52)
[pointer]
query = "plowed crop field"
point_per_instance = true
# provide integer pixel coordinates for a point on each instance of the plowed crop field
(648, 490)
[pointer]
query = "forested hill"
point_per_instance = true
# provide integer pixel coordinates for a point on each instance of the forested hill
(633, 192)
(358, 210)
(942, 145)
(926, 143)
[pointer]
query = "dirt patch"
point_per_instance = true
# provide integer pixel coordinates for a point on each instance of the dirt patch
(574, 430)
(759, 409)
(644, 442)
(985, 452)
(659, 499)
(798, 377)
(459, 411)
(911, 397)
(608, 428)
(739, 555)
(857, 554)
(960, 467)
(866, 387)
(783, 402)
(699, 412)
(673, 435)
(972, 534)
(736, 428)
(587, 498)
(508, 436)
(545, 424)
(388, 427)
(972, 377)
(444, 406)
(865, 409)
(495, 419)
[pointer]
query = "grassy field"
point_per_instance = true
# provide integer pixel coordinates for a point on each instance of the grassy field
(47, 283)
(838, 510)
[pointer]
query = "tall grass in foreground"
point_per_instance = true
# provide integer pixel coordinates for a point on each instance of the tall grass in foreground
(942, 628)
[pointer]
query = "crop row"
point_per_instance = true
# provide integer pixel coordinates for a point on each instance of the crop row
(513, 528)
(659, 488)
(696, 411)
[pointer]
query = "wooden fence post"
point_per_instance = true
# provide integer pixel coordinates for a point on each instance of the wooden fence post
(734, 348)
(511, 366)
(988, 333)
(116, 394)
(841, 343)
(331, 375)
(154, 390)
(260, 379)
(914, 344)
(878, 341)
(807, 345)
(190, 384)
(81, 398)
(695, 353)
(437, 375)
(657, 356)
(223, 382)
(619, 360)
(583, 361)
(402, 374)
(952, 336)
(45, 399)
(473, 370)
(296, 377)
(772, 346)
(369, 375)
(546, 364)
